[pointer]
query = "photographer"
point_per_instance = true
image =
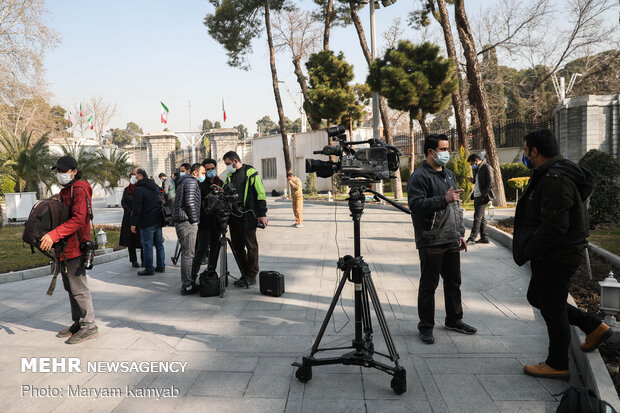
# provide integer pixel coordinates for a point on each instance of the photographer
(76, 194)
(439, 236)
(250, 188)
(207, 239)
(186, 219)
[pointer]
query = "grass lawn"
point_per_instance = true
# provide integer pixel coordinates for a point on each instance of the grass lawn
(606, 238)
(15, 255)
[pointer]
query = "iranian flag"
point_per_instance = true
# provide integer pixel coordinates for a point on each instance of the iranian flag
(69, 120)
(81, 111)
(224, 110)
(164, 113)
(91, 123)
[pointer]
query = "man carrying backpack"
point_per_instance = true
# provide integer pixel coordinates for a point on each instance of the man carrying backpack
(76, 194)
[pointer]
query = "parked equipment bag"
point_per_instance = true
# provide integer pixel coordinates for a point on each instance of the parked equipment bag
(165, 211)
(209, 284)
(582, 400)
(271, 283)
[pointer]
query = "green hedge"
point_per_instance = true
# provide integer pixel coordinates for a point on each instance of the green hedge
(605, 199)
(509, 171)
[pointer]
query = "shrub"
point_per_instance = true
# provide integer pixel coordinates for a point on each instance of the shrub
(512, 170)
(7, 184)
(311, 188)
(605, 199)
(462, 170)
(518, 184)
(338, 189)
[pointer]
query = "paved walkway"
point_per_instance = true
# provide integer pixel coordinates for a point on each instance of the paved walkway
(239, 348)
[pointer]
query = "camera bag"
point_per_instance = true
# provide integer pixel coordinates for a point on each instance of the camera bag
(209, 284)
(271, 283)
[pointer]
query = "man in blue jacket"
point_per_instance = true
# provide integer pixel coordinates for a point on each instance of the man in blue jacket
(186, 219)
(147, 216)
(439, 236)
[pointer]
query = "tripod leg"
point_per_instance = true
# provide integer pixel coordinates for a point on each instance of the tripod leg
(370, 287)
(223, 268)
(241, 271)
(367, 323)
(330, 312)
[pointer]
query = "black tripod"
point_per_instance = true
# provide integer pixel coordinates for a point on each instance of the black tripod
(223, 242)
(357, 271)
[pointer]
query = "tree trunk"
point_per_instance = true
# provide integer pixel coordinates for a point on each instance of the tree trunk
(276, 91)
(328, 23)
(303, 84)
(422, 123)
(478, 93)
(412, 145)
(383, 110)
(457, 97)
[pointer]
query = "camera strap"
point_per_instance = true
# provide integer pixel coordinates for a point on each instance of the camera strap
(90, 215)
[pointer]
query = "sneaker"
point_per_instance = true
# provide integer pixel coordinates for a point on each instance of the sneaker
(427, 336)
(160, 269)
(546, 371)
(83, 334)
(596, 338)
(299, 225)
(69, 331)
(135, 265)
(189, 291)
(483, 241)
(245, 282)
(146, 272)
(461, 327)
(470, 241)
(294, 225)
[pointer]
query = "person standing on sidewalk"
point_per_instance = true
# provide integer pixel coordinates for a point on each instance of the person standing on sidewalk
(551, 229)
(439, 237)
(186, 220)
(76, 194)
(127, 238)
(146, 218)
(483, 193)
(297, 196)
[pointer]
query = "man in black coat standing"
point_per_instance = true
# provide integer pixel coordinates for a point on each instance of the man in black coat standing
(147, 216)
(551, 230)
(483, 193)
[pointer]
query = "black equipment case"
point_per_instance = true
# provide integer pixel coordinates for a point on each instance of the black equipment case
(271, 283)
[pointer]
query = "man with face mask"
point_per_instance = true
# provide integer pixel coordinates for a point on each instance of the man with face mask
(76, 194)
(439, 236)
(243, 230)
(186, 218)
(207, 239)
(482, 194)
(551, 230)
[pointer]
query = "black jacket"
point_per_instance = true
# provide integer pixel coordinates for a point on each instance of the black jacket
(551, 220)
(187, 201)
(435, 222)
(251, 193)
(207, 221)
(485, 181)
(127, 238)
(146, 204)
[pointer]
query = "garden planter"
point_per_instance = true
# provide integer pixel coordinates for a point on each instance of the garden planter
(114, 196)
(18, 205)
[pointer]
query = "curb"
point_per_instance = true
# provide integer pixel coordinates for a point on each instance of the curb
(603, 253)
(45, 271)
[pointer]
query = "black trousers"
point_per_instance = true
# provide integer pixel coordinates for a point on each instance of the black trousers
(548, 291)
(434, 261)
(246, 247)
(480, 222)
(206, 243)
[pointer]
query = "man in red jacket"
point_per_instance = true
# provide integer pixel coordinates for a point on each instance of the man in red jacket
(77, 195)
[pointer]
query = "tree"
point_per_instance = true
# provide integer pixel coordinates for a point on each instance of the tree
(415, 79)
(88, 162)
(28, 159)
(267, 127)
(114, 165)
(102, 113)
(298, 32)
(33, 114)
(331, 14)
(441, 121)
(124, 137)
(478, 96)
(356, 110)
(234, 25)
(243, 131)
(207, 125)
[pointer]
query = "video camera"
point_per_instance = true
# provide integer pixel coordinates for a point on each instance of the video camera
(365, 165)
(223, 201)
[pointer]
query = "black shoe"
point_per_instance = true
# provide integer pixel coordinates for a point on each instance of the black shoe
(160, 269)
(470, 241)
(192, 290)
(145, 272)
(483, 241)
(461, 327)
(69, 331)
(426, 336)
(83, 334)
(245, 282)
(135, 265)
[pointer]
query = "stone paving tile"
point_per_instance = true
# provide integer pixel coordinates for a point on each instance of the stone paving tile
(513, 387)
(217, 383)
(464, 393)
(228, 404)
(526, 407)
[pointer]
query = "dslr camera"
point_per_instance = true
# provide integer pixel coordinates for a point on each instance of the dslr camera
(88, 252)
(357, 165)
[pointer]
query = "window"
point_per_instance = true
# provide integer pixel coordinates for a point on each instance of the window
(269, 168)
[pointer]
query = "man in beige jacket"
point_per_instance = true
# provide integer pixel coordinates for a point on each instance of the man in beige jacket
(297, 195)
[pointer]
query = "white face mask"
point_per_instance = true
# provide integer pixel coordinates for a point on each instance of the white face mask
(133, 180)
(63, 178)
(230, 168)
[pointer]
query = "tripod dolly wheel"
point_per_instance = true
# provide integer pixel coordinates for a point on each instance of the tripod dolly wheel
(304, 373)
(399, 381)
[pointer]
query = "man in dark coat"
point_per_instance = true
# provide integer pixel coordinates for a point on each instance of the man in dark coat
(147, 216)
(482, 194)
(127, 238)
(551, 230)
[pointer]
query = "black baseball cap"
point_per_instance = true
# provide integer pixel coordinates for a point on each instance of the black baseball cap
(64, 163)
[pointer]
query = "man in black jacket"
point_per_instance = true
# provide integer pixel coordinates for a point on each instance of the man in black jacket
(551, 227)
(483, 193)
(147, 216)
(439, 236)
(186, 218)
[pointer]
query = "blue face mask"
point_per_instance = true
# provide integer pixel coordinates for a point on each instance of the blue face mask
(181, 174)
(442, 157)
(201, 178)
(474, 166)
(526, 161)
(211, 174)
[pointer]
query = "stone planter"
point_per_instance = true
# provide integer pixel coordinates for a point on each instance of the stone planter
(18, 205)
(114, 196)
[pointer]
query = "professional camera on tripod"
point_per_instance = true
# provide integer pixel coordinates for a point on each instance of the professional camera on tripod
(359, 168)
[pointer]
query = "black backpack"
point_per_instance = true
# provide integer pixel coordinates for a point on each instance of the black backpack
(165, 211)
(209, 284)
(582, 400)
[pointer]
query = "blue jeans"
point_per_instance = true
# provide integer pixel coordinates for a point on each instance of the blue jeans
(152, 236)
